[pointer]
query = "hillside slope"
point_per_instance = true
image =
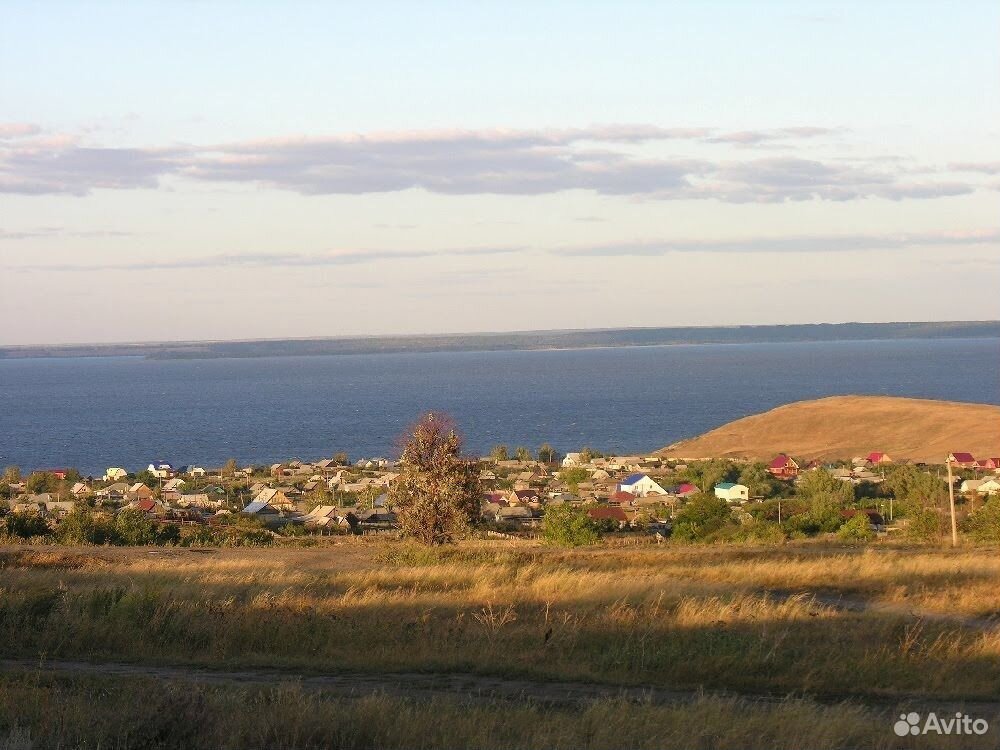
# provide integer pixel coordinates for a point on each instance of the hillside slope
(841, 427)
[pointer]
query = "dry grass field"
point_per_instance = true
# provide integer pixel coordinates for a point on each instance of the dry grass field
(714, 646)
(841, 427)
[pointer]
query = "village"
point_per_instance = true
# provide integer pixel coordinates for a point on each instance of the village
(625, 495)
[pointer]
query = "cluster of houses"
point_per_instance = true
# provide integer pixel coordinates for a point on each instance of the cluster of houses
(330, 495)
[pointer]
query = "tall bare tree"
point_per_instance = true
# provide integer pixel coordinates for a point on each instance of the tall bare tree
(437, 494)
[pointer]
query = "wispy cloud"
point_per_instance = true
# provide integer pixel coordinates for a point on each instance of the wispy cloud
(269, 260)
(601, 159)
(51, 232)
(789, 244)
(798, 244)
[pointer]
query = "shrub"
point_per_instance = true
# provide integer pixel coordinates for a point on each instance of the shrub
(704, 516)
(568, 527)
(24, 526)
(858, 529)
(984, 524)
(924, 525)
(133, 528)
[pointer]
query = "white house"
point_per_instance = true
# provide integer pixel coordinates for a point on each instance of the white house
(971, 485)
(571, 460)
(989, 487)
(197, 471)
(730, 491)
(640, 485)
(161, 469)
(115, 473)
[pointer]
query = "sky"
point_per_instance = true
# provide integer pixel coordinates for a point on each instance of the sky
(214, 170)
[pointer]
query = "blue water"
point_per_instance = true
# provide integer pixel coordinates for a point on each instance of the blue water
(123, 411)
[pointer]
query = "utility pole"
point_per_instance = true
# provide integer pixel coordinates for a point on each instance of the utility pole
(951, 500)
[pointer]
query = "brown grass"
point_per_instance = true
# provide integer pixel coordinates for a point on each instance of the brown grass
(841, 427)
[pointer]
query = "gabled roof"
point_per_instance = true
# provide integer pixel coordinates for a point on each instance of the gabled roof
(963, 458)
(601, 514)
(632, 479)
(725, 485)
(781, 461)
(256, 506)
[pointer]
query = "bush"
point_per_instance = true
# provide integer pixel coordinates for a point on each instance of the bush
(924, 525)
(858, 529)
(568, 527)
(80, 527)
(703, 517)
(132, 528)
(24, 526)
(984, 524)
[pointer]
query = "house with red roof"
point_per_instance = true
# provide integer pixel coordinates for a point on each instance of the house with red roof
(783, 467)
(620, 498)
(603, 513)
(875, 458)
(962, 460)
(988, 464)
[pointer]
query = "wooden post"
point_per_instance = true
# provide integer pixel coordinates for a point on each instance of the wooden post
(951, 500)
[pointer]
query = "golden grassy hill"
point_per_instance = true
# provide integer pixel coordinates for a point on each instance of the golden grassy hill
(841, 427)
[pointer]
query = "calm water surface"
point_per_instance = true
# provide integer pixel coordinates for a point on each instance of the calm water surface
(92, 413)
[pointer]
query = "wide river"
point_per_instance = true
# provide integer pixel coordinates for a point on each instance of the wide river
(123, 411)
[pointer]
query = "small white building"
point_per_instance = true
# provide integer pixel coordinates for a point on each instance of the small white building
(989, 487)
(114, 474)
(732, 492)
(572, 459)
(640, 485)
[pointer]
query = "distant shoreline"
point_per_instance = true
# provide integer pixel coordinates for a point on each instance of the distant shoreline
(517, 341)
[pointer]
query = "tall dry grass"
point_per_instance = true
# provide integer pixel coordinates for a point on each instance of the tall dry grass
(685, 618)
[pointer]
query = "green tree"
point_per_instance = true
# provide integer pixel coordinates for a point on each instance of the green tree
(547, 454)
(78, 527)
(500, 453)
(857, 529)
(341, 459)
(572, 478)
(42, 481)
(133, 528)
(437, 494)
(229, 468)
(701, 517)
(567, 526)
(984, 524)
(924, 525)
(522, 454)
(11, 475)
(147, 478)
(758, 480)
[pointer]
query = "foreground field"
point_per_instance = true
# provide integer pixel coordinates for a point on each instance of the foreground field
(832, 639)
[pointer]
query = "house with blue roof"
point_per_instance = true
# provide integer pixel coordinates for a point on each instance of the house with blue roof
(732, 492)
(640, 485)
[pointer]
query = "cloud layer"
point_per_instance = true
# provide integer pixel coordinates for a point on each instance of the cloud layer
(607, 160)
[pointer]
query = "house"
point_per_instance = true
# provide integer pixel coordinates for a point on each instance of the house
(732, 492)
(620, 498)
(876, 458)
(115, 473)
(152, 508)
(161, 469)
(58, 509)
(270, 497)
(200, 500)
(80, 489)
(614, 515)
(196, 471)
(640, 485)
(522, 497)
(515, 514)
(572, 459)
(970, 485)
(989, 487)
(139, 491)
(376, 520)
(174, 485)
(783, 467)
(988, 464)
(962, 460)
